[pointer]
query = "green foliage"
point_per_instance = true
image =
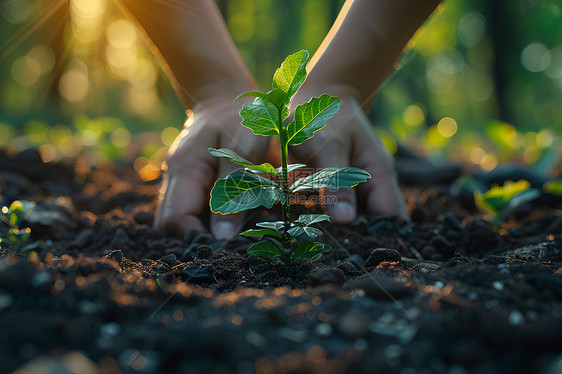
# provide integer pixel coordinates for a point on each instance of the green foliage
(237, 159)
(261, 117)
(553, 187)
(245, 189)
(499, 201)
(291, 75)
(311, 117)
(242, 190)
(332, 178)
(14, 216)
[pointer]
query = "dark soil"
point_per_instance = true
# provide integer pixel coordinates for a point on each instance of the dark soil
(106, 293)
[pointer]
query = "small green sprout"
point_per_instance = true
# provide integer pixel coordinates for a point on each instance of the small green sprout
(499, 201)
(553, 187)
(14, 216)
(247, 188)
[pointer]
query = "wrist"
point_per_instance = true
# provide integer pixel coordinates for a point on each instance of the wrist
(343, 90)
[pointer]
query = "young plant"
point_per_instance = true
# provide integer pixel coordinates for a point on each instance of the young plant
(246, 188)
(13, 216)
(499, 201)
(553, 187)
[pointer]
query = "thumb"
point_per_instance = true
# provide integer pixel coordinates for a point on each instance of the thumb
(341, 204)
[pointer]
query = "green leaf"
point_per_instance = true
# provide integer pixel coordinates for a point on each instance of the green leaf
(553, 187)
(309, 250)
(18, 212)
(311, 117)
(520, 199)
(291, 75)
(237, 159)
(266, 248)
(261, 117)
(278, 226)
(332, 178)
(291, 167)
(497, 200)
(260, 232)
(243, 190)
(309, 219)
(19, 236)
(310, 231)
(275, 96)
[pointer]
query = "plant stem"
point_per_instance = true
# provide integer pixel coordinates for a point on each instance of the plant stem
(285, 202)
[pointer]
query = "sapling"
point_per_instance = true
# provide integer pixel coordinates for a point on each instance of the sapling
(13, 216)
(248, 188)
(499, 201)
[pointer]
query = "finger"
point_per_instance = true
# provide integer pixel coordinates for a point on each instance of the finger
(190, 172)
(340, 204)
(382, 192)
(228, 225)
(182, 203)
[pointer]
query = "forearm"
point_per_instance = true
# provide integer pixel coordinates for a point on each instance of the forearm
(191, 42)
(364, 43)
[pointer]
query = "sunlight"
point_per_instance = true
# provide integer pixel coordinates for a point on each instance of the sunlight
(86, 17)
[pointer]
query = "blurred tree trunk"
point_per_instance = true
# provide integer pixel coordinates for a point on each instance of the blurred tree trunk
(55, 28)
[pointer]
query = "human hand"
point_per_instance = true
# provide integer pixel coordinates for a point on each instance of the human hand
(349, 140)
(192, 171)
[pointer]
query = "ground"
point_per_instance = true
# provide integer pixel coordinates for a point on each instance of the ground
(106, 293)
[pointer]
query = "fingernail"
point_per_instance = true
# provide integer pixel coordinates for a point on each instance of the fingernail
(342, 212)
(224, 230)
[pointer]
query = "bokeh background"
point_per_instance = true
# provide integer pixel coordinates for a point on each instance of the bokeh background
(480, 85)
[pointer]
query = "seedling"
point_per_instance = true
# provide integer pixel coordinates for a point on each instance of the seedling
(246, 188)
(499, 201)
(13, 216)
(553, 187)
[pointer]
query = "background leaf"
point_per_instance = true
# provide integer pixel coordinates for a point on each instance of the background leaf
(292, 74)
(333, 178)
(261, 117)
(237, 159)
(242, 190)
(311, 117)
(266, 248)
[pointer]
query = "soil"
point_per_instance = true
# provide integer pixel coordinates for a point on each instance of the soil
(106, 293)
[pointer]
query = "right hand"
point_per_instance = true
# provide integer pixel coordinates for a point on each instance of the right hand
(192, 171)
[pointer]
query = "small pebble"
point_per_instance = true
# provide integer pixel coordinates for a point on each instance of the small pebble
(143, 218)
(498, 285)
(379, 255)
(170, 260)
(323, 330)
(515, 318)
(204, 251)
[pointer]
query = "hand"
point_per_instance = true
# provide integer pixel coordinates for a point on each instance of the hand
(192, 171)
(349, 140)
